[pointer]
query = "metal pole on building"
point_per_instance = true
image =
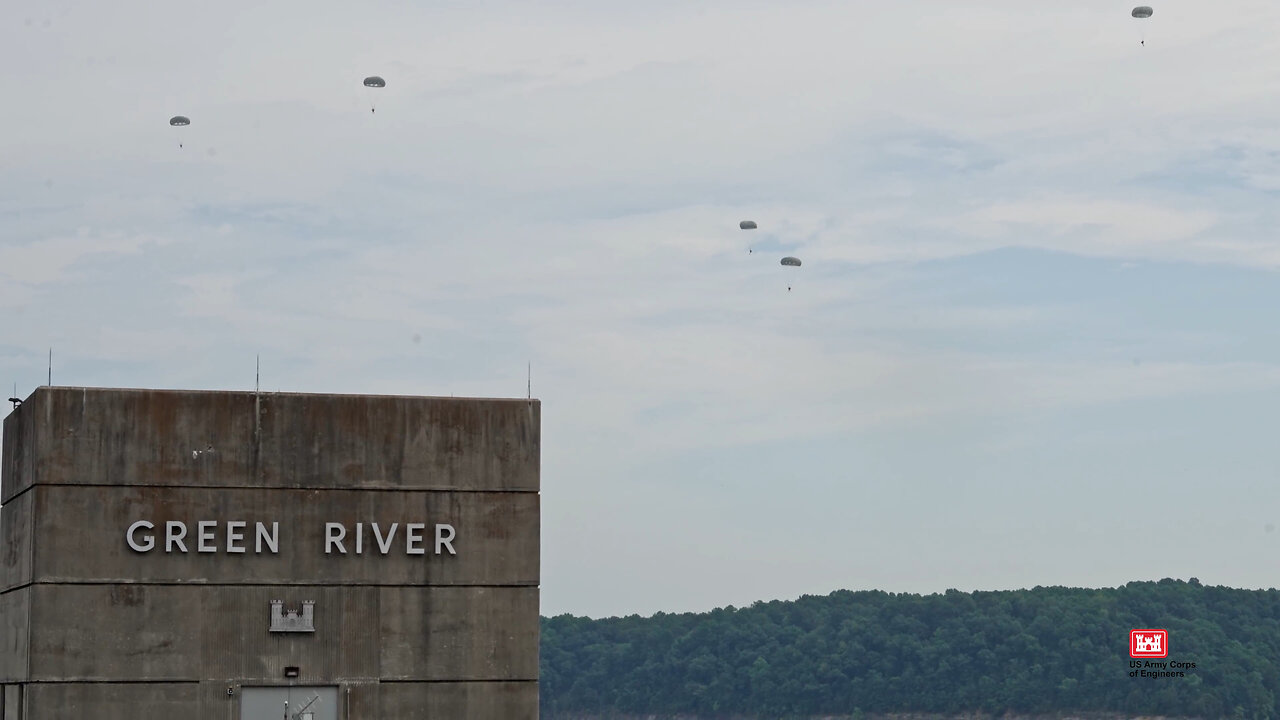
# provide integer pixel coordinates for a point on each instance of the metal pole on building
(257, 413)
(50, 367)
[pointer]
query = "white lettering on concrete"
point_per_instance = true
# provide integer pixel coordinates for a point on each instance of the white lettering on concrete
(445, 540)
(332, 539)
(172, 538)
(272, 541)
(150, 540)
(142, 538)
(384, 545)
(412, 537)
(205, 539)
(234, 537)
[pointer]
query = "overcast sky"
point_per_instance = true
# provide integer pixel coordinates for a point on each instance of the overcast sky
(1035, 339)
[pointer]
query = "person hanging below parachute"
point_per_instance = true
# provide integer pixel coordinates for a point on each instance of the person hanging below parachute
(373, 81)
(747, 225)
(1142, 12)
(790, 262)
(179, 121)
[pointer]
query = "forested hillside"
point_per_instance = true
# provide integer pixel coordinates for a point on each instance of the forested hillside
(1036, 651)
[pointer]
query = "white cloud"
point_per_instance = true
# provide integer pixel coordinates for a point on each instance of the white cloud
(47, 261)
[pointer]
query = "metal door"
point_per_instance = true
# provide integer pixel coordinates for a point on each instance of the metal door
(304, 703)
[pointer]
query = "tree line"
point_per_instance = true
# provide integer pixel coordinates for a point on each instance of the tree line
(1040, 651)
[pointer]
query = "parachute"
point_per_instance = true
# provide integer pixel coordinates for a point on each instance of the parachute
(1142, 12)
(179, 121)
(748, 225)
(790, 262)
(373, 81)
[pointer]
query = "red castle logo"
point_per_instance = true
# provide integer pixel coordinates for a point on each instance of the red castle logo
(1148, 643)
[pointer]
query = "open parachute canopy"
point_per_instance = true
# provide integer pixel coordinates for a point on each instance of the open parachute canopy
(374, 81)
(791, 261)
(747, 225)
(1142, 12)
(179, 120)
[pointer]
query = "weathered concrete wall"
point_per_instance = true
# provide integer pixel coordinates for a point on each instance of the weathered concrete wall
(78, 701)
(17, 467)
(211, 439)
(138, 632)
(15, 623)
(507, 701)
(16, 533)
(478, 633)
(94, 627)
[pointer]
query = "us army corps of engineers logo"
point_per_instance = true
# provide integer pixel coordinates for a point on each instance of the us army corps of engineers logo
(1148, 643)
(1144, 647)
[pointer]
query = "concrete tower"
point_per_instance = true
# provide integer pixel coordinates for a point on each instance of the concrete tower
(220, 554)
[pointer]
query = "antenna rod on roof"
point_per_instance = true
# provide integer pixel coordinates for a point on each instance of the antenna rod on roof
(51, 367)
(257, 405)
(530, 380)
